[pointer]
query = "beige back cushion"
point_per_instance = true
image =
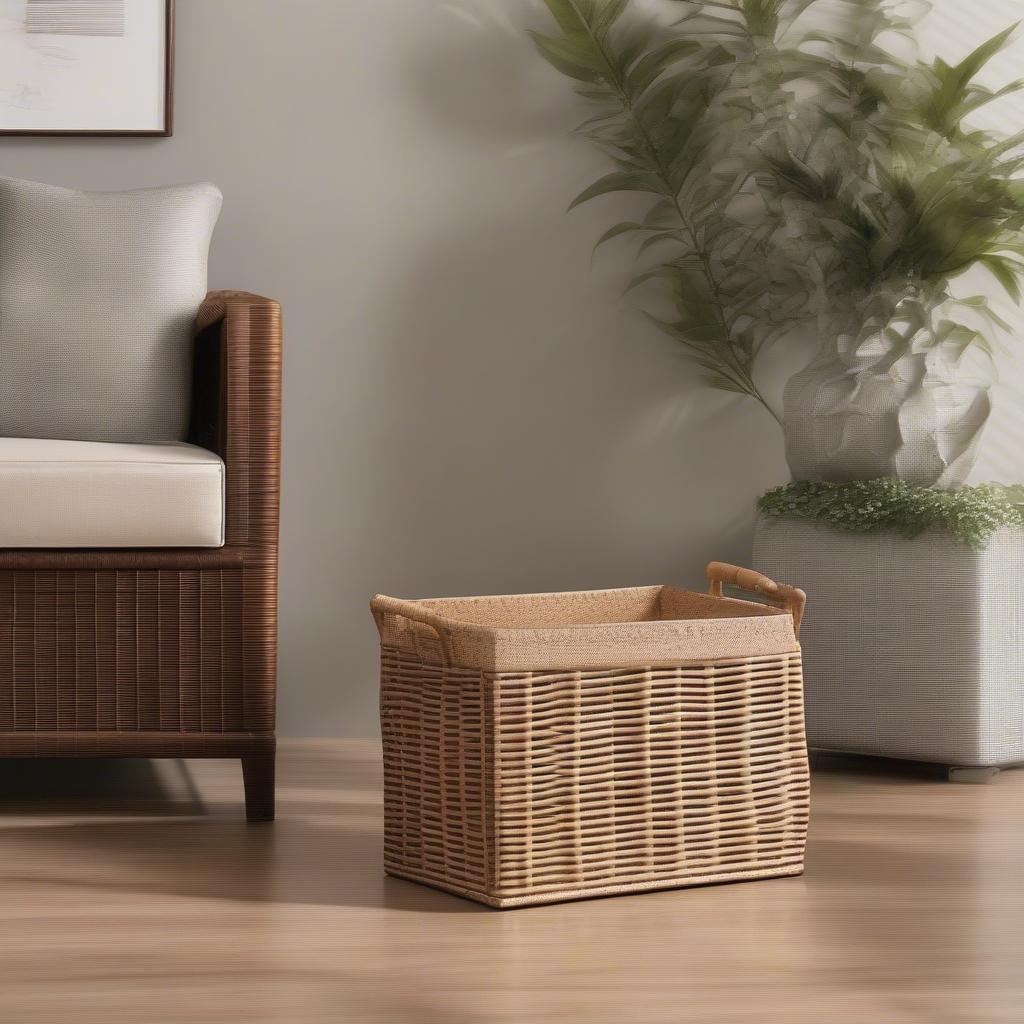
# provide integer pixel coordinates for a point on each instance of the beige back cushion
(98, 296)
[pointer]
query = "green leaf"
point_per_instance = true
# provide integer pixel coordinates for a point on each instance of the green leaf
(947, 106)
(651, 275)
(622, 228)
(762, 16)
(608, 13)
(971, 515)
(572, 50)
(571, 15)
(971, 65)
(650, 67)
(980, 304)
(559, 54)
(661, 236)
(1006, 272)
(981, 97)
(617, 181)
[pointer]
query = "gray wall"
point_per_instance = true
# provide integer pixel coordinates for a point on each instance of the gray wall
(470, 407)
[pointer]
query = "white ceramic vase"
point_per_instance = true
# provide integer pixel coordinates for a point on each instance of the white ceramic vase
(866, 408)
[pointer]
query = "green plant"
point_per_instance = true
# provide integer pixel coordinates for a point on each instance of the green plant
(797, 173)
(971, 514)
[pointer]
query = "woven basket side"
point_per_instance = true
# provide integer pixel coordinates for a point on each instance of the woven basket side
(438, 771)
(521, 788)
(630, 777)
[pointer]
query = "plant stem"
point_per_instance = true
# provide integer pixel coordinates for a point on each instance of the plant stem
(726, 353)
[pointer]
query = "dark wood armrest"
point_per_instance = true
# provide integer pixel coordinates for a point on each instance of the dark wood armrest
(236, 408)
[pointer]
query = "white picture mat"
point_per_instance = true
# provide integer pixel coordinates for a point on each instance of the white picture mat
(84, 83)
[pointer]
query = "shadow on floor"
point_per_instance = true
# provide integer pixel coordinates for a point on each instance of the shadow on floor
(876, 768)
(163, 842)
(52, 786)
(324, 849)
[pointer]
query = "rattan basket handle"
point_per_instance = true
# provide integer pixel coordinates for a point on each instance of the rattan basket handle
(778, 594)
(382, 606)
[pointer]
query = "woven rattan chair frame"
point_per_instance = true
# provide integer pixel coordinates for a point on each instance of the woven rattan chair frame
(165, 652)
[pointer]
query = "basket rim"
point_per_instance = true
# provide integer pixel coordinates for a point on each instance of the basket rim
(435, 607)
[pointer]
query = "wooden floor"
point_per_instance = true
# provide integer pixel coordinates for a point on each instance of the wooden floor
(137, 893)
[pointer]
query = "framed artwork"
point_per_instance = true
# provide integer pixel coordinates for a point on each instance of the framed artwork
(86, 67)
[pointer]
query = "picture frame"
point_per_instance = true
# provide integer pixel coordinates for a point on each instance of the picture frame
(87, 68)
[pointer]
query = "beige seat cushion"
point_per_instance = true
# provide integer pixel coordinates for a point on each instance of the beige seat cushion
(86, 494)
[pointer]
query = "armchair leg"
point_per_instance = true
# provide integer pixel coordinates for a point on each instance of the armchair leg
(258, 776)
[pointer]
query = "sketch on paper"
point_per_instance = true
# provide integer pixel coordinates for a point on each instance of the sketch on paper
(75, 17)
(82, 65)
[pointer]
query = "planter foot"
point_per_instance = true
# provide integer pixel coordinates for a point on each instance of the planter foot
(972, 776)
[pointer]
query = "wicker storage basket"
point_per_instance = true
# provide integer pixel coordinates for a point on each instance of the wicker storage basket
(559, 746)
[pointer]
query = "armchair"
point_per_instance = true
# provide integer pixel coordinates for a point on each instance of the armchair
(165, 651)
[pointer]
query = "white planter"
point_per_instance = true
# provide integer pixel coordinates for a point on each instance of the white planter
(912, 648)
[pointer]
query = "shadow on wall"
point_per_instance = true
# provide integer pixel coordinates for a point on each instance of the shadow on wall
(540, 434)
(516, 424)
(477, 75)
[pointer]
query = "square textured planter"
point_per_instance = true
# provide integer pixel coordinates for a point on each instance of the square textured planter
(912, 648)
